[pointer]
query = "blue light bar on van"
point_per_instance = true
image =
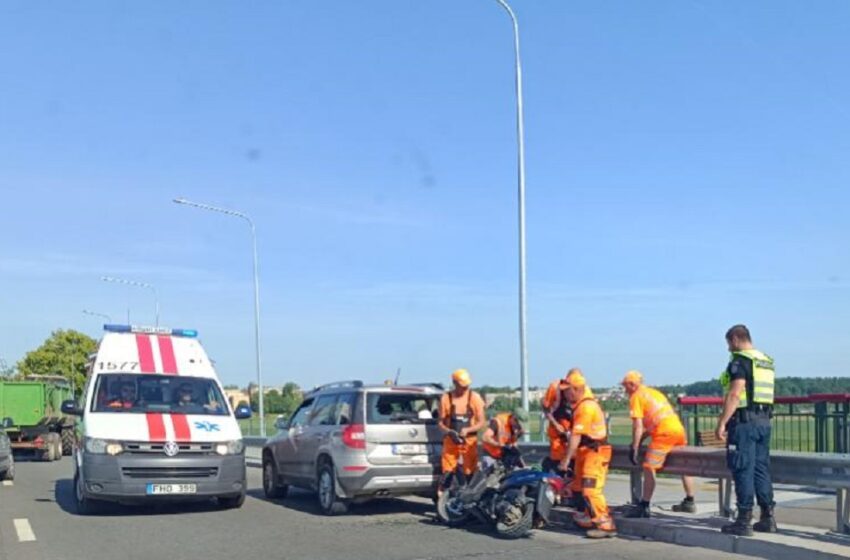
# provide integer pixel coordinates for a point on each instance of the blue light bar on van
(189, 333)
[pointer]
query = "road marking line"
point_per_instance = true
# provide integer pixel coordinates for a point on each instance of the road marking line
(22, 527)
(8, 483)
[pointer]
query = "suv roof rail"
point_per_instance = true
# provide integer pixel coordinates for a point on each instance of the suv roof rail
(354, 383)
(434, 385)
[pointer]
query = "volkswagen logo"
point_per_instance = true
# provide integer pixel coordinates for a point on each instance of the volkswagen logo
(413, 432)
(171, 449)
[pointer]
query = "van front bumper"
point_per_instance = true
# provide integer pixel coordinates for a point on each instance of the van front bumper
(125, 478)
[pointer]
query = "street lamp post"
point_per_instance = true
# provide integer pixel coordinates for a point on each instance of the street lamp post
(101, 315)
(138, 285)
(521, 184)
(235, 213)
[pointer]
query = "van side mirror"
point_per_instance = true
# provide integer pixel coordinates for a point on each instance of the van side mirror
(281, 423)
(70, 408)
(6, 423)
(242, 412)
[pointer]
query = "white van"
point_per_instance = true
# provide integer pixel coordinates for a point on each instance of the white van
(153, 423)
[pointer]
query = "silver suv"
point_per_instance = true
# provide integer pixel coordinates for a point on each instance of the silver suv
(351, 442)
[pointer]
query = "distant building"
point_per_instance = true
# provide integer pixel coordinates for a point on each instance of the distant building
(236, 396)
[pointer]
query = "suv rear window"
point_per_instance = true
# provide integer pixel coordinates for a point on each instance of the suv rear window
(403, 408)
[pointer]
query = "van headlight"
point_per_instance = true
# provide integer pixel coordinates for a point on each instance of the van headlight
(103, 446)
(234, 447)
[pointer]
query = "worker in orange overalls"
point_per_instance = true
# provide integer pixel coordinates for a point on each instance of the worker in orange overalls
(654, 417)
(502, 435)
(461, 418)
(589, 446)
(559, 414)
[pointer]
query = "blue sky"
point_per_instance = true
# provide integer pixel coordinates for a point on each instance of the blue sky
(686, 167)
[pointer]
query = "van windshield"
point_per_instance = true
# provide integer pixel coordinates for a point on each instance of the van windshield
(405, 408)
(158, 393)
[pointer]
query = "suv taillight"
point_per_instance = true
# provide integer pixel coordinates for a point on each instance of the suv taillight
(354, 436)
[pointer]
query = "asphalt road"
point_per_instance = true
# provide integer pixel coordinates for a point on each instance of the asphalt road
(40, 506)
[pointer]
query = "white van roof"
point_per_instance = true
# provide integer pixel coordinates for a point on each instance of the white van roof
(157, 350)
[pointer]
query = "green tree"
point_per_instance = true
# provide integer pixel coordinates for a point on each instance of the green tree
(64, 353)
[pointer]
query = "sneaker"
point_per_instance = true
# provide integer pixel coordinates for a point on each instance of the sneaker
(685, 506)
(601, 534)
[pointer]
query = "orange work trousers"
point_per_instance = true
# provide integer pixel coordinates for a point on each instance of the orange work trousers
(592, 470)
(454, 453)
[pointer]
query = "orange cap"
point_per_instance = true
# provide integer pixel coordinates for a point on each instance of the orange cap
(462, 378)
(633, 376)
(565, 381)
(575, 378)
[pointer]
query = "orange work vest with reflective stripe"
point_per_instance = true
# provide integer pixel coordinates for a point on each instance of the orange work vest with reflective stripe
(658, 413)
(504, 435)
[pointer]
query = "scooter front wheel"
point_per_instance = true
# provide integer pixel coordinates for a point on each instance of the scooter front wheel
(450, 510)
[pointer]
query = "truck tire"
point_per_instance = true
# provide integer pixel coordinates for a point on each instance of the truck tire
(10, 472)
(54, 443)
(67, 441)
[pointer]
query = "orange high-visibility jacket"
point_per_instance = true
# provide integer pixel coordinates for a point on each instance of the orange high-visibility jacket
(504, 433)
(655, 410)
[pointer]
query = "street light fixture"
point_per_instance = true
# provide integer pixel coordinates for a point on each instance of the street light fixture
(101, 315)
(521, 184)
(138, 285)
(242, 215)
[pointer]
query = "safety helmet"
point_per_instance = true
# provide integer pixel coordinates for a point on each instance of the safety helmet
(575, 379)
(632, 376)
(565, 381)
(462, 377)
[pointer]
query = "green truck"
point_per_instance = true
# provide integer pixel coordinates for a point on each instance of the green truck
(38, 426)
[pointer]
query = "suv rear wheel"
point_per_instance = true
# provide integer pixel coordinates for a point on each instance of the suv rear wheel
(272, 487)
(329, 503)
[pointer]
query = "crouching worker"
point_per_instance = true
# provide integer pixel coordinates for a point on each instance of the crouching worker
(501, 436)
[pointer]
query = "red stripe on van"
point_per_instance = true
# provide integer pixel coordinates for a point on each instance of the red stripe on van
(166, 352)
(143, 343)
(181, 427)
(156, 426)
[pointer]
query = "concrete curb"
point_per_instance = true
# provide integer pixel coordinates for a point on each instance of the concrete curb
(792, 543)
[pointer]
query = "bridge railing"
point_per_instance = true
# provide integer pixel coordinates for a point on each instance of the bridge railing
(814, 470)
(814, 423)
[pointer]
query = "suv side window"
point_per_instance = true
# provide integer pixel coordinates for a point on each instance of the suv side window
(344, 413)
(300, 416)
(323, 412)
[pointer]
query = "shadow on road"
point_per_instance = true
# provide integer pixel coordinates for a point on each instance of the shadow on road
(305, 502)
(64, 492)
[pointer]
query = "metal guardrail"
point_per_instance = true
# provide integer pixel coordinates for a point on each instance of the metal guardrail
(816, 470)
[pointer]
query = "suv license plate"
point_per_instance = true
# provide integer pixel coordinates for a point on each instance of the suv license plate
(409, 449)
(158, 489)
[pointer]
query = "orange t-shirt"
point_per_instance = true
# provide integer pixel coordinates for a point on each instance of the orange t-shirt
(589, 420)
(654, 409)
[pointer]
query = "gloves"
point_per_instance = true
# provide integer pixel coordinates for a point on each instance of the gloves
(633, 456)
(456, 437)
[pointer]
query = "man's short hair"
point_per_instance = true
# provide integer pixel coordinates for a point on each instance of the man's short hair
(741, 332)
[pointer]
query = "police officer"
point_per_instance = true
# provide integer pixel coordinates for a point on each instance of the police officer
(745, 426)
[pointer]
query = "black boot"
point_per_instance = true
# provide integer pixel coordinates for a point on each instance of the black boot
(767, 523)
(639, 511)
(688, 505)
(742, 525)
